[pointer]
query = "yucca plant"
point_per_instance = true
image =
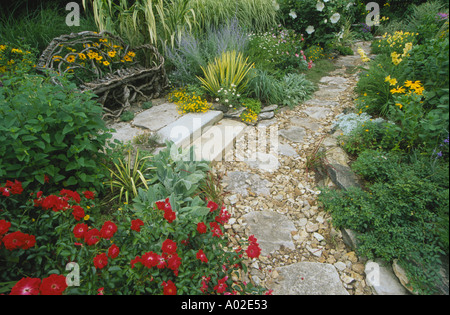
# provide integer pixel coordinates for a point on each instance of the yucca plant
(228, 71)
(127, 176)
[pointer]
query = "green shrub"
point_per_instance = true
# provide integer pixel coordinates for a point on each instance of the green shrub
(296, 89)
(376, 165)
(265, 87)
(402, 216)
(171, 222)
(50, 130)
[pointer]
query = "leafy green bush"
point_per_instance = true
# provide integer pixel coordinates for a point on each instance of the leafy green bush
(296, 89)
(50, 130)
(170, 240)
(403, 215)
(265, 87)
(319, 21)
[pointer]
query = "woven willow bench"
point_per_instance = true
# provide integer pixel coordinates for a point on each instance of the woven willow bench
(103, 64)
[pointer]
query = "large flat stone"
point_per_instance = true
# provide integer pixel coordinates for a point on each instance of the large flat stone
(186, 129)
(241, 182)
(317, 112)
(272, 230)
(342, 176)
(124, 132)
(308, 278)
(294, 134)
(157, 117)
(337, 81)
(218, 140)
(380, 276)
(306, 123)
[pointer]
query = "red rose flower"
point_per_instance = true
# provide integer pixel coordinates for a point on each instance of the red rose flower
(113, 251)
(89, 195)
(14, 188)
(169, 247)
(14, 240)
(100, 261)
(201, 228)
(212, 206)
(80, 230)
(253, 251)
(4, 227)
(108, 230)
(92, 237)
(26, 286)
(28, 241)
(150, 259)
(162, 263)
(223, 217)
(173, 263)
(136, 225)
(78, 212)
(201, 256)
(164, 205)
(170, 216)
(169, 288)
(221, 285)
(55, 203)
(69, 194)
(215, 228)
(53, 285)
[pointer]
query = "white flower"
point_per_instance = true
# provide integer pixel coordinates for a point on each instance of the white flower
(320, 6)
(325, 21)
(217, 99)
(226, 101)
(335, 18)
(326, 0)
(310, 29)
(292, 14)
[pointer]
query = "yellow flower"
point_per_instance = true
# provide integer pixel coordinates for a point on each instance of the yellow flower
(399, 105)
(398, 90)
(71, 58)
(112, 53)
(105, 63)
(131, 54)
(82, 56)
(86, 217)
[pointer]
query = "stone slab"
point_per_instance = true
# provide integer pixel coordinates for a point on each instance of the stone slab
(124, 132)
(238, 182)
(157, 117)
(294, 134)
(342, 176)
(317, 112)
(272, 230)
(382, 279)
(218, 140)
(308, 278)
(186, 129)
(306, 123)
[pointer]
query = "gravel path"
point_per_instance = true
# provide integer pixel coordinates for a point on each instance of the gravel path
(277, 201)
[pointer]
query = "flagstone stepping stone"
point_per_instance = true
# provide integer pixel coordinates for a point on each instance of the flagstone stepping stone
(306, 123)
(124, 132)
(338, 81)
(157, 117)
(321, 103)
(186, 129)
(308, 278)
(286, 150)
(240, 182)
(318, 113)
(272, 230)
(327, 93)
(217, 142)
(294, 134)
